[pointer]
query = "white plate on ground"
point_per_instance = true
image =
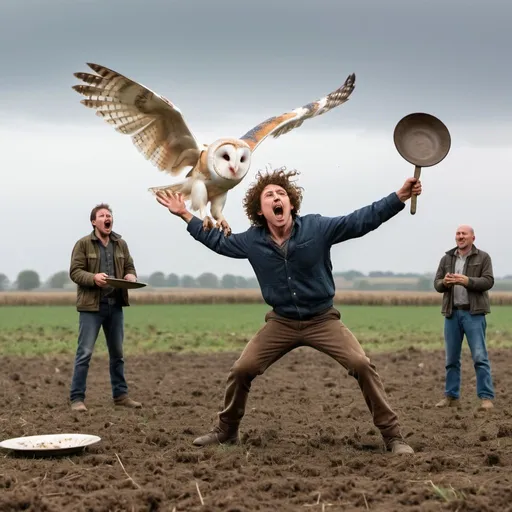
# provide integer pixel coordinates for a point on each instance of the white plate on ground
(50, 444)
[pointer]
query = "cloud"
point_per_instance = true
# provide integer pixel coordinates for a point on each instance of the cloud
(229, 65)
(216, 58)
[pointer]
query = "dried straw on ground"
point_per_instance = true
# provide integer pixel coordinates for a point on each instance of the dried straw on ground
(253, 296)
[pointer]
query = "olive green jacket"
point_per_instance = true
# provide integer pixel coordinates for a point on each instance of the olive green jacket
(478, 268)
(85, 263)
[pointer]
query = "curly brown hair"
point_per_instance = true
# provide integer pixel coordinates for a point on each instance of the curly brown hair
(280, 177)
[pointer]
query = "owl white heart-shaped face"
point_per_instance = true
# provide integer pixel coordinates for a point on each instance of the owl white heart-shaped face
(230, 159)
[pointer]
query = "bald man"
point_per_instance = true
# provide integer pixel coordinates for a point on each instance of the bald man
(464, 277)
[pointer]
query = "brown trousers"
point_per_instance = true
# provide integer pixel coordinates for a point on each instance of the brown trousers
(325, 333)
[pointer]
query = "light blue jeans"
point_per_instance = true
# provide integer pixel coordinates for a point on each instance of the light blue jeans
(111, 318)
(474, 327)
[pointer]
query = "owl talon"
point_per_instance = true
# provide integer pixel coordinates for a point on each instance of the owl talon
(224, 226)
(207, 223)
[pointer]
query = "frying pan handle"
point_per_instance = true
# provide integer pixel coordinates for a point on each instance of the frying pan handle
(414, 199)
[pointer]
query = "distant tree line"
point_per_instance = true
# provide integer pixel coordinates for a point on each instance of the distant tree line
(406, 281)
(350, 275)
(205, 280)
(376, 280)
(29, 280)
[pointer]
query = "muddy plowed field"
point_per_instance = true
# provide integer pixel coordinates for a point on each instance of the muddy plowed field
(308, 442)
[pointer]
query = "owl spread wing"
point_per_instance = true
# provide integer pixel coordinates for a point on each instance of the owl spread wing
(157, 126)
(282, 124)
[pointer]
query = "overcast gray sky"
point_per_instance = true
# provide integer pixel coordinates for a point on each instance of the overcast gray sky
(229, 65)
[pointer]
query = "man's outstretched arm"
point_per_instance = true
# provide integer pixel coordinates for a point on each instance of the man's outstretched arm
(234, 246)
(369, 218)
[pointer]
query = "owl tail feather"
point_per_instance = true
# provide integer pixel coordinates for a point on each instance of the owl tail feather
(182, 187)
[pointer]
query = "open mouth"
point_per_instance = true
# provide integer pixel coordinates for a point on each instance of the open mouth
(108, 224)
(278, 211)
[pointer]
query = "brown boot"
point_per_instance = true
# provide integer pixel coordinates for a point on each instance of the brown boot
(217, 436)
(397, 446)
(448, 401)
(486, 405)
(78, 406)
(126, 401)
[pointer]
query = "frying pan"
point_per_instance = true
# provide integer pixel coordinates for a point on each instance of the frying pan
(422, 140)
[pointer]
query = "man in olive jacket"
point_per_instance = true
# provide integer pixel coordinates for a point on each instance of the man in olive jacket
(464, 277)
(95, 257)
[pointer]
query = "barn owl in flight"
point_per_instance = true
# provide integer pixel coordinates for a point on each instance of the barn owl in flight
(161, 134)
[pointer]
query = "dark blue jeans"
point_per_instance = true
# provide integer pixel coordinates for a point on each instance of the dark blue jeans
(474, 327)
(111, 318)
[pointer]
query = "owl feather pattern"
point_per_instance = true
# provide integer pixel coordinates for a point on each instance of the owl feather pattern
(159, 131)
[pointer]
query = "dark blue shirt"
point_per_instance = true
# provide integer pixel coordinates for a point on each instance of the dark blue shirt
(300, 284)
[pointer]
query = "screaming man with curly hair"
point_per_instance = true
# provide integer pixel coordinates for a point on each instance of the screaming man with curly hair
(280, 178)
(290, 255)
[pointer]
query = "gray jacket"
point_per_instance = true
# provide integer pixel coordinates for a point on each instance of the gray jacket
(478, 268)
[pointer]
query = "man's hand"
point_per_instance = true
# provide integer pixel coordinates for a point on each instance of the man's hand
(174, 203)
(100, 279)
(412, 186)
(460, 279)
(447, 281)
(130, 277)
